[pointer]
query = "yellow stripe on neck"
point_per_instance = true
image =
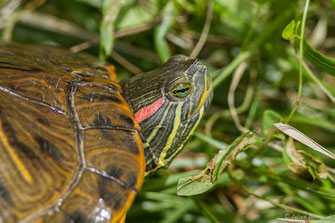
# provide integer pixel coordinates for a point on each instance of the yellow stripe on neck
(154, 132)
(162, 160)
(176, 123)
(201, 113)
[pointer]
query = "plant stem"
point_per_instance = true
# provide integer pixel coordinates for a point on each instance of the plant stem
(301, 52)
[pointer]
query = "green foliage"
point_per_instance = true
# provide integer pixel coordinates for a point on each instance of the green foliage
(168, 18)
(270, 118)
(290, 31)
(205, 179)
(316, 58)
(276, 177)
(110, 11)
(324, 63)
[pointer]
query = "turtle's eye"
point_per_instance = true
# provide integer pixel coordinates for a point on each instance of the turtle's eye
(181, 90)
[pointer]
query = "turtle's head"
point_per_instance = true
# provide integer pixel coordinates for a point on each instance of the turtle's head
(168, 103)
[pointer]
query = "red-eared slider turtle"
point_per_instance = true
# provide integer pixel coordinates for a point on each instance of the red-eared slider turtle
(74, 145)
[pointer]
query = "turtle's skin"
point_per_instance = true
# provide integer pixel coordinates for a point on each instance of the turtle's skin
(74, 145)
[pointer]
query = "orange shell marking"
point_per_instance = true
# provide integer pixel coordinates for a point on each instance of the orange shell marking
(111, 72)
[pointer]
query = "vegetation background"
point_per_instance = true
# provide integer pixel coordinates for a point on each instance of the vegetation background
(259, 79)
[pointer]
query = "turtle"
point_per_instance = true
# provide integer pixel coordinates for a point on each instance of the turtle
(75, 144)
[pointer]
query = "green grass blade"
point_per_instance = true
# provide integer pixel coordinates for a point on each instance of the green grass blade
(324, 63)
(110, 11)
(161, 45)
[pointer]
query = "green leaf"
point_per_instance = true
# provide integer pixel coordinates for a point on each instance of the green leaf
(319, 60)
(197, 184)
(205, 179)
(290, 31)
(169, 16)
(269, 118)
(110, 11)
(324, 63)
(137, 15)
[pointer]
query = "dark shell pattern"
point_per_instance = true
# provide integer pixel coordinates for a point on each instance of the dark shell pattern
(70, 148)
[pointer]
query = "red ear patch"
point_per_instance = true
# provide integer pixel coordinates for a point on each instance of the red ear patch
(147, 111)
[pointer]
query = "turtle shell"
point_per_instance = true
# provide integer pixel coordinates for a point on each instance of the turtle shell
(70, 148)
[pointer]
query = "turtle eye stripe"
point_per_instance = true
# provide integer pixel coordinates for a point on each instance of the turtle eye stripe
(148, 111)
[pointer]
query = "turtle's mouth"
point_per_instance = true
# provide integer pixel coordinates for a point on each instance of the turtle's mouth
(203, 82)
(201, 109)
